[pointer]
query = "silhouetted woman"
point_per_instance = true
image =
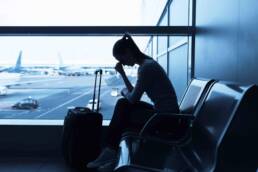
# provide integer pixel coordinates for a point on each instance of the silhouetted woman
(130, 112)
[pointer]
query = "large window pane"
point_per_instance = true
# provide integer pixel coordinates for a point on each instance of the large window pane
(163, 40)
(162, 44)
(80, 12)
(179, 16)
(162, 60)
(155, 47)
(58, 72)
(179, 13)
(149, 49)
(178, 72)
(151, 11)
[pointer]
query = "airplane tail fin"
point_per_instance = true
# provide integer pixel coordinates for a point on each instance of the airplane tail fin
(17, 67)
(61, 63)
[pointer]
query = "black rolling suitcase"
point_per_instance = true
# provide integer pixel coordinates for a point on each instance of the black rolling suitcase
(82, 132)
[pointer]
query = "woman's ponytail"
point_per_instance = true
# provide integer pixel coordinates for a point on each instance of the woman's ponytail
(126, 42)
(127, 37)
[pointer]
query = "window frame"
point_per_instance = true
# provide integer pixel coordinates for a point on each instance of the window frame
(96, 30)
(103, 31)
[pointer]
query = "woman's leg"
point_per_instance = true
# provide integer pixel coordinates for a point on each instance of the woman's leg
(124, 116)
(127, 116)
(119, 119)
(118, 122)
(140, 115)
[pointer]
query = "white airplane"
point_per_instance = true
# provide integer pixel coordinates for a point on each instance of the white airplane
(14, 69)
(31, 70)
(6, 80)
(76, 70)
(73, 71)
(82, 70)
(11, 75)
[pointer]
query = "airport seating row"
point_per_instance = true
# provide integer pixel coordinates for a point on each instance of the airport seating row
(218, 133)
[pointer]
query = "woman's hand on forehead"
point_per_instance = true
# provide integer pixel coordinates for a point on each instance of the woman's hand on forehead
(119, 67)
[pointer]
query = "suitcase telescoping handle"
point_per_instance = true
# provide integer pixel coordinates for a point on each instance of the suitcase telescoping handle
(94, 92)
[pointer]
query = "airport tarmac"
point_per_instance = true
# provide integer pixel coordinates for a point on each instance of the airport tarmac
(55, 95)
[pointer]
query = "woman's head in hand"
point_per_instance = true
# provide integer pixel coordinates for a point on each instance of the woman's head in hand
(126, 51)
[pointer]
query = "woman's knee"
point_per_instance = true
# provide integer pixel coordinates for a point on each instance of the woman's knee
(122, 102)
(122, 106)
(121, 110)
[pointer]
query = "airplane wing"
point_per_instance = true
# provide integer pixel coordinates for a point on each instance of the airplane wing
(8, 79)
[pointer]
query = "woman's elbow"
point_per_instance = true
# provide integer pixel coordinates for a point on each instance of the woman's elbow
(130, 99)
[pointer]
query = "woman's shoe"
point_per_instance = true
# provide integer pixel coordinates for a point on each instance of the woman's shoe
(108, 167)
(106, 156)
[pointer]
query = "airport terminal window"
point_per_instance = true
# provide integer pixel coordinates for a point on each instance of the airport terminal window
(162, 40)
(41, 77)
(162, 60)
(149, 49)
(178, 64)
(155, 47)
(162, 43)
(151, 10)
(179, 13)
(70, 13)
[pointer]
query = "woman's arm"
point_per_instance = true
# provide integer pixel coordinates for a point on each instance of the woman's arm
(128, 84)
(119, 68)
(133, 94)
(137, 92)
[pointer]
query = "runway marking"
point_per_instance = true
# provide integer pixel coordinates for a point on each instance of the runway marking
(35, 81)
(104, 93)
(16, 114)
(43, 114)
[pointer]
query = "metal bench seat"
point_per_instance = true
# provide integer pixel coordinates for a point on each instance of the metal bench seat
(212, 121)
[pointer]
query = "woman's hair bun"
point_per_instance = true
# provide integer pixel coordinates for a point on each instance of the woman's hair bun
(126, 36)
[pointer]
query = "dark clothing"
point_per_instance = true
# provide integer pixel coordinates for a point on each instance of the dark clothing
(153, 80)
(131, 113)
(127, 116)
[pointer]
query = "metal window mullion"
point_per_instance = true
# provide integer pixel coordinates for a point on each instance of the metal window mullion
(193, 8)
(94, 30)
(168, 11)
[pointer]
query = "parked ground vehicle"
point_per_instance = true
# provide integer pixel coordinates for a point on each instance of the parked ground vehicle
(27, 103)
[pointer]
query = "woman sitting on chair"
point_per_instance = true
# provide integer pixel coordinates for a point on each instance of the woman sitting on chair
(130, 112)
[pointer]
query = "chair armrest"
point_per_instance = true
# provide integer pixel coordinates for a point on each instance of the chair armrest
(176, 115)
(172, 120)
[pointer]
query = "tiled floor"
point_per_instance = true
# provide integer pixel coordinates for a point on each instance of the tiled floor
(33, 164)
